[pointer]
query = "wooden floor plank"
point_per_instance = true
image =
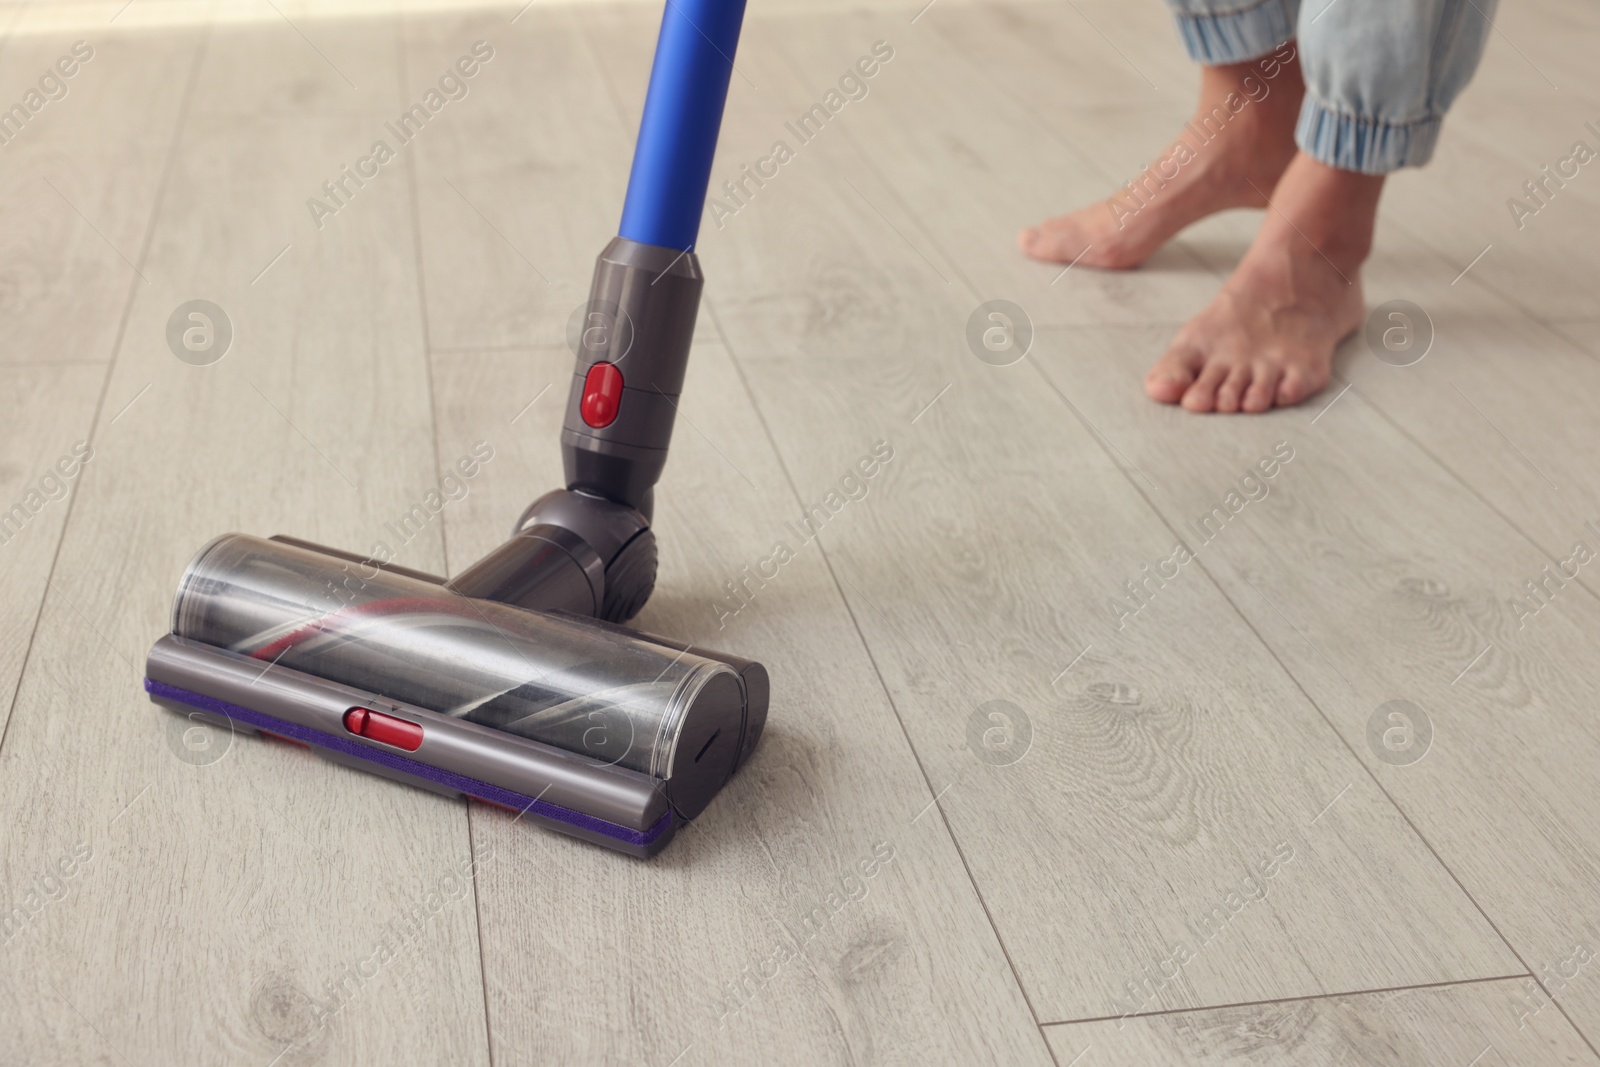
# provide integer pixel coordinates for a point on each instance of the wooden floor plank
(64, 286)
(537, 116)
(1486, 338)
(78, 184)
(264, 906)
(1155, 784)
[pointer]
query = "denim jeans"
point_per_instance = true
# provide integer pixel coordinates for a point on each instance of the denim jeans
(1379, 74)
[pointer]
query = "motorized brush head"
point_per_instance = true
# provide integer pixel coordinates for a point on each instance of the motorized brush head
(616, 697)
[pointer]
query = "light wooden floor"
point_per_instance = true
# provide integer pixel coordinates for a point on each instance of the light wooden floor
(1199, 835)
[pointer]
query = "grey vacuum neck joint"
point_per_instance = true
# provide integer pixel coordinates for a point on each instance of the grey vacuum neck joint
(632, 353)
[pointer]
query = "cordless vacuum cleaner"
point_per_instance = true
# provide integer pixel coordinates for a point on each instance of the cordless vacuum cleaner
(512, 682)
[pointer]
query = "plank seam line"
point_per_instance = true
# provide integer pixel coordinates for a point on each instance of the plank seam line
(402, 72)
(1292, 1000)
(1062, 139)
(844, 601)
(1553, 324)
(1581, 580)
(865, 157)
(179, 123)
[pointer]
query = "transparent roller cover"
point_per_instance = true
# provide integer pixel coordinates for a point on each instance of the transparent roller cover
(599, 692)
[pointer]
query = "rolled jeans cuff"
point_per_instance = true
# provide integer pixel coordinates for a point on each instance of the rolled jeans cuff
(1251, 30)
(1364, 144)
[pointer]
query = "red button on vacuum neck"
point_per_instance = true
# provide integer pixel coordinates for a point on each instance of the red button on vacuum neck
(602, 392)
(376, 726)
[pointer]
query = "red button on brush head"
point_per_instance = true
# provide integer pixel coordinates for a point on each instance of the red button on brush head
(376, 726)
(602, 393)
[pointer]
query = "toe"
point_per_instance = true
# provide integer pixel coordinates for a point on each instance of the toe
(1173, 373)
(1055, 241)
(1292, 389)
(1298, 383)
(1232, 388)
(1202, 395)
(1264, 379)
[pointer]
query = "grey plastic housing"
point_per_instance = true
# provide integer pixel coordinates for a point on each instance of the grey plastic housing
(543, 566)
(571, 551)
(610, 794)
(641, 313)
(753, 679)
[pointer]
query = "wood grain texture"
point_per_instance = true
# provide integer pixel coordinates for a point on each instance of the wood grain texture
(528, 170)
(1152, 792)
(1481, 1023)
(1153, 788)
(78, 184)
(1395, 600)
(1503, 404)
(266, 904)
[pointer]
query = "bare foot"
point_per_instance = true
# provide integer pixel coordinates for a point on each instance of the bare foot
(1230, 154)
(1268, 337)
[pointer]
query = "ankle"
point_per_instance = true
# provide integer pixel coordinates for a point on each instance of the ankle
(1267, 90)
(1334, 210)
